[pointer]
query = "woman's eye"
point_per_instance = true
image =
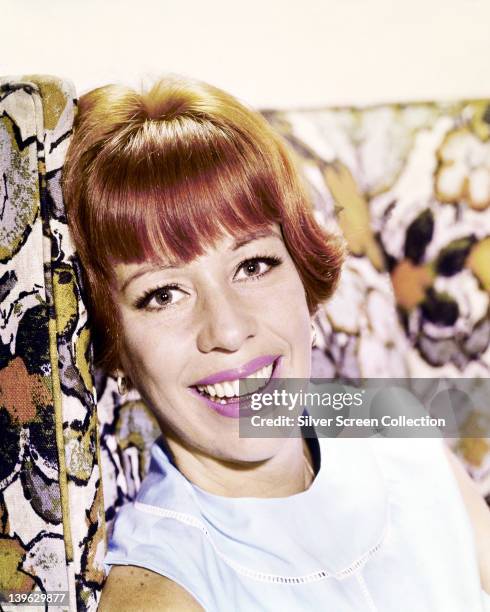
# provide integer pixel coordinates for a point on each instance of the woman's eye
(159, 298)
(256, 267)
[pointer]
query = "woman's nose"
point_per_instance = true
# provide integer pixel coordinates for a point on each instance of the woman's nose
(225, 323)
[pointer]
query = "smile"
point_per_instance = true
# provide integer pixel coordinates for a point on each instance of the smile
(223, 390)
(240, 386)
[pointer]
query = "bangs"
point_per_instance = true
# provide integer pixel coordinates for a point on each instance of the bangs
(160, 201)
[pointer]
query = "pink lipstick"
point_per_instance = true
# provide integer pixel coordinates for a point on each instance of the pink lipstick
(232, 407)
(235, 373)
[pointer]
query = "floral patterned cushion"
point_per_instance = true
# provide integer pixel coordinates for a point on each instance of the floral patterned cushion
(409, 187)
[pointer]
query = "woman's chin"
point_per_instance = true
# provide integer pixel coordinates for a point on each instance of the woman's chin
(248, 450)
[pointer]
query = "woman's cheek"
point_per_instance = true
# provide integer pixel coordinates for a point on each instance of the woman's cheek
(290, 303)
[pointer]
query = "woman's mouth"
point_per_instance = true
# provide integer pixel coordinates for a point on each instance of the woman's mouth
(233, 389)
(226, 397)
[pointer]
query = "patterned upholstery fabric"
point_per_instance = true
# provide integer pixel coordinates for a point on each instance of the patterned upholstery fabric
(51, 528)
(409, 186)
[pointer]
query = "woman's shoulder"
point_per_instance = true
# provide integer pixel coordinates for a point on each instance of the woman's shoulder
(418, 465)
(408, 458)
(395, 457)
(166, 543)
(130, 588)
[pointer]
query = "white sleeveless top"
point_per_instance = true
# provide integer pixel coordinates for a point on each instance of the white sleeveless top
(382, 528)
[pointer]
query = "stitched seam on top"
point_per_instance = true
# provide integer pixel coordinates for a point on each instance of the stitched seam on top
(365, 591)
(192, 521)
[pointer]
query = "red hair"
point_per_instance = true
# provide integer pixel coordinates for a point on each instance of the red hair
(169, 172)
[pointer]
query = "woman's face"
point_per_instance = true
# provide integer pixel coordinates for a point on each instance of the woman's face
(233, 311)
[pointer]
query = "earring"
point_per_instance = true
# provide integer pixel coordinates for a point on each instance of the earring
(122, 384)
(313, 334)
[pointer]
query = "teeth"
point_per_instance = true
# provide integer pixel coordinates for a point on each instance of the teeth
(220, 392)
(231, 388)
(251, 384)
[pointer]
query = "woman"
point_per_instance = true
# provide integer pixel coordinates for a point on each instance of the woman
(205, 265)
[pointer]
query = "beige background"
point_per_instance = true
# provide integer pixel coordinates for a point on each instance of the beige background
(273, 53)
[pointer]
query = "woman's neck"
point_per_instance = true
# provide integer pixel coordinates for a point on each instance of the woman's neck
(287, 472)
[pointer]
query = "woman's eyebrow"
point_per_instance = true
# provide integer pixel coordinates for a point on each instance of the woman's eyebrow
(265, 233)
(144, 270)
